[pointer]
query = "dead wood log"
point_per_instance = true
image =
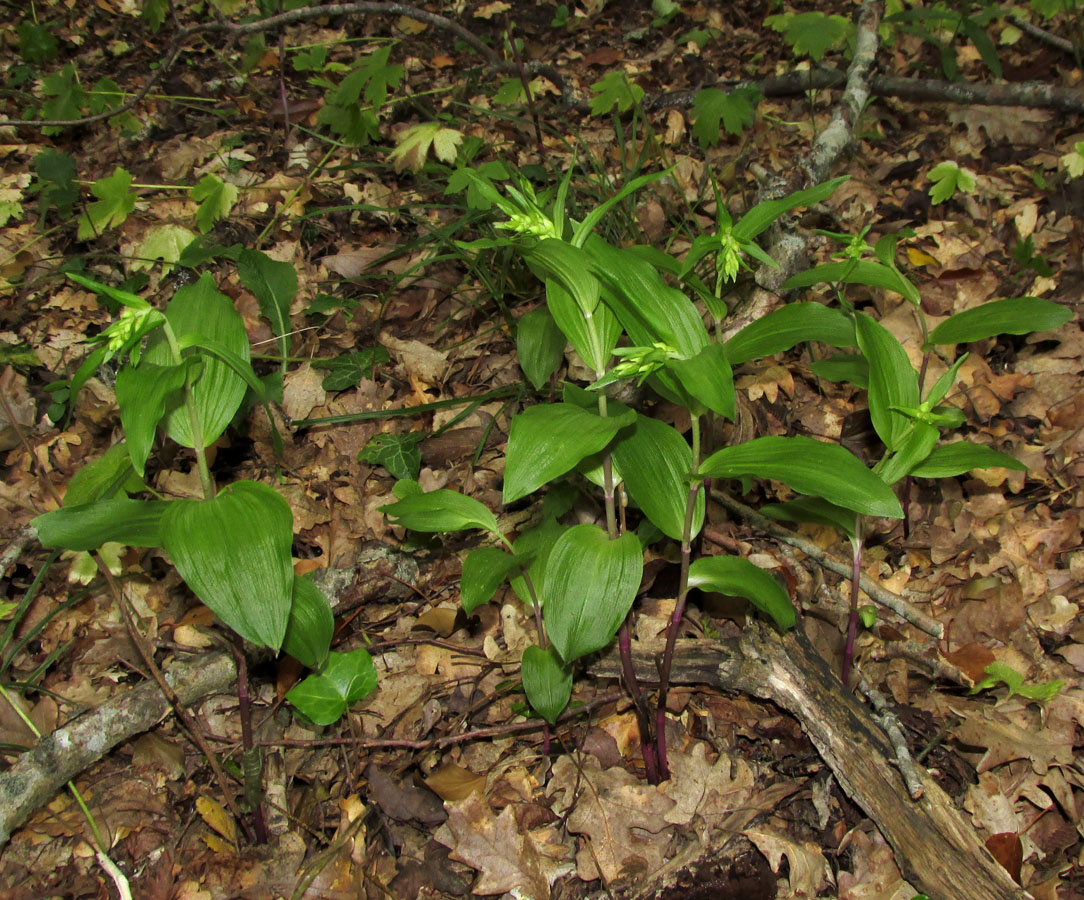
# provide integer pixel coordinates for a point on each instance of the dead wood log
(936, 849)
(39, 773)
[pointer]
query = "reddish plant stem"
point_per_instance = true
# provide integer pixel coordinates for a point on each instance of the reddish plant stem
(248, 743)
(643, 720)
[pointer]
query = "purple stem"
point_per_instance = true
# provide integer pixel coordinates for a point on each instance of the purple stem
(852, 619)
(643, 721)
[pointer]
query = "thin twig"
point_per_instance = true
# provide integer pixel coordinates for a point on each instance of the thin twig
(890, 723)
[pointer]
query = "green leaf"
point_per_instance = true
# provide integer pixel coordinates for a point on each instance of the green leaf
(540, 346)
(948, 178)
(656, 464)
(134, 523)
(738, 577)
(484, 569)
(815, 511)
(861, 271)
(413, 145)
(950, 460)
(348, 370)
(708, 378)
(440, 511)
(234, 552)
(216, 198)
(548, 440)
(615, 89)
(734, 110)
(275, 285)
(547, 681)
(55, 186)
(766, 212)
(848, 367)
(892, 380)
(591, 582)
(787, 327)
(398, 453)
(347, 678)
(143, 394)
(37, 44)
(200, 311)
(535, 545)
(310, 626)
(809, 467)
(116, 201)
(66, 98)
(998, 672)
(1018, 315)
(918, 441)
(813, 34)
(101, 478)
(164, 242)
(352, 123)
(593, 336)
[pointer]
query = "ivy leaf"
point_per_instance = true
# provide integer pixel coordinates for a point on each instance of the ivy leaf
(347, 371)
(398, 453)
(116, 200)
(615, 89)
(948, 178)
(216, 199)
(735, 110)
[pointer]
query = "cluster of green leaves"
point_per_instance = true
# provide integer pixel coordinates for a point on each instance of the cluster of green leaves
(186, 372)
(941, 24)
(354, 100)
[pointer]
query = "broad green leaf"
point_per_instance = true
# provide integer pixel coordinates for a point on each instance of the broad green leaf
(216, 198)
(767, 211)
(948, 178)
(849, 367)
(484, 569)
(547, 681)
(165, 242)
(708, 378)
(134, 523)
(55, 186)
(275, 285)
(813, 34)
(738, 577)
(310, 626)
(591, 582)
(787, 327)
(815, 511)
(647, 307)
(954, 459)
(440, 511)
(398, 453)
(1018, 315)
(892, 380)
(65, 97)
(124, 298)
(234, 552)
(347, 678)
(200, 311)
(143, 394)
(540, 346)
(115, 201)
(849, 271)
(102, 478)
(535, 545)
(809, 467)
(656, 464)
(918, 441)
(570, 266)
(413, 144)
(547, 440)
(592, 336)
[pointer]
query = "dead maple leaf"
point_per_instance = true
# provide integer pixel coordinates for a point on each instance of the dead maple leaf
(493, 845)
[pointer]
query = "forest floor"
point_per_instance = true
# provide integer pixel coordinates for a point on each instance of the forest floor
(438, 782)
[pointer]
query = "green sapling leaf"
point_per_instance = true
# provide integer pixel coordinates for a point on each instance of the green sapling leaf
(1018, 315)
(275, 285)
(347, 678)
(115, 201)
(736, 576)
(547, 681)
(440, 511)
(948, 178)
(311, 625)
(591, 583)
(615, 89)
(234, 552)
(216, 198)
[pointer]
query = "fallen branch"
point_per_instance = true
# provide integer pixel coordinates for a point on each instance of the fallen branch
(937, 851)
(39, 773)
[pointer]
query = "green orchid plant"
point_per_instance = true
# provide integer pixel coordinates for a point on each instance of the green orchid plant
(625, 321)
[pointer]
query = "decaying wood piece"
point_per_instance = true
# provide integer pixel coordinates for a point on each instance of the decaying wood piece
(936, 849)
(38, 774)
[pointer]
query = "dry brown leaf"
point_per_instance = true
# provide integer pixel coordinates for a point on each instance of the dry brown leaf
(808, 869)
(493, 845)
(453, 782)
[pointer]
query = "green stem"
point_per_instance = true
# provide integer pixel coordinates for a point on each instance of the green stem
(196, 423)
